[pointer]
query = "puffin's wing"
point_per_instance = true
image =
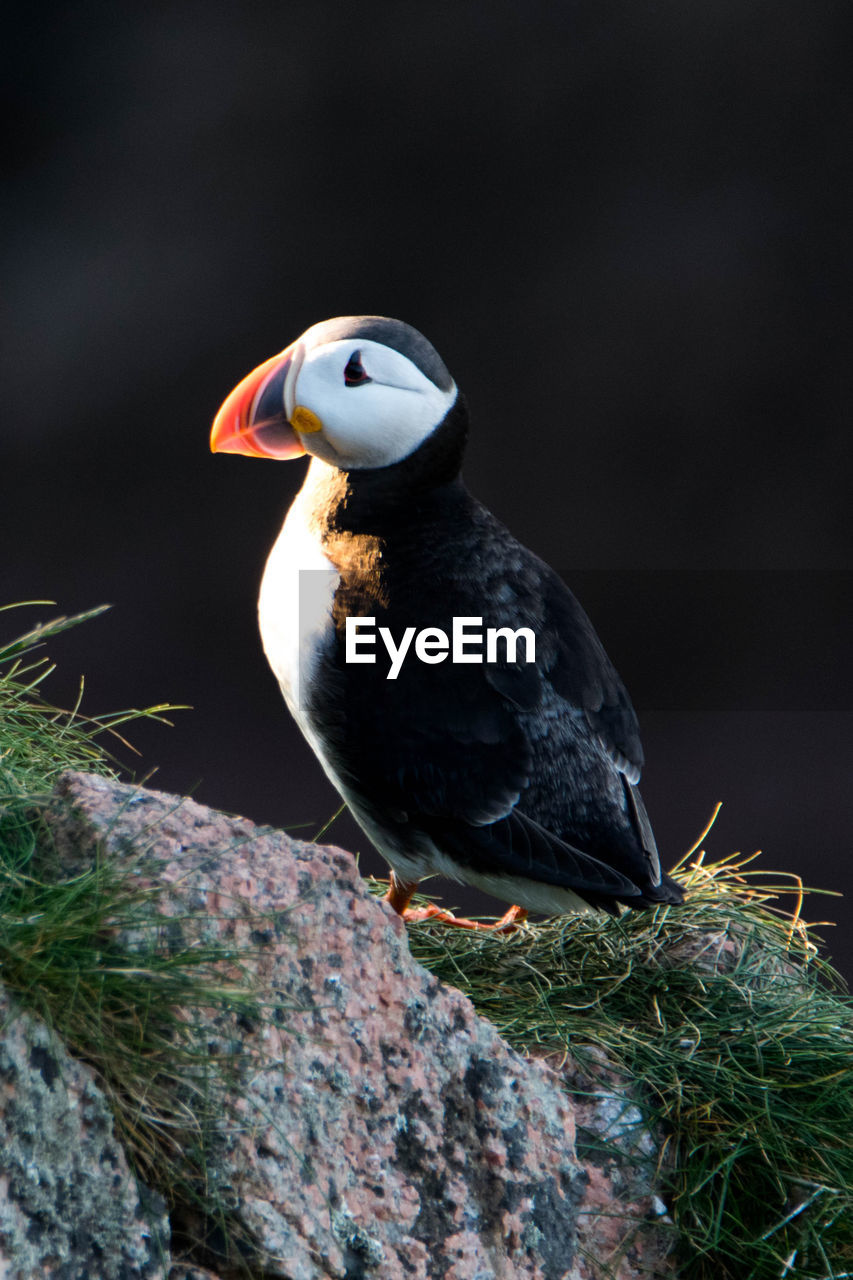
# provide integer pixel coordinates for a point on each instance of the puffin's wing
(512, 587)
(581, 672)
(452, 753)
(516, 845)
(441, 746)
(458, 770)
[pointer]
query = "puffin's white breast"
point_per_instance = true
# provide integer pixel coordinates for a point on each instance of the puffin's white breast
(295, 610)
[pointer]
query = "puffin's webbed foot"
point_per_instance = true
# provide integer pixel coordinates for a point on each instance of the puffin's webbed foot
(399, 896)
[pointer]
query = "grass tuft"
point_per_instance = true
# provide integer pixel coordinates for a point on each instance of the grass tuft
(741, 1039)
(139, 1015)
(37, 740)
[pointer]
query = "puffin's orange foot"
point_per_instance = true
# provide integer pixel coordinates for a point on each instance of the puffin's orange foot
(508, 922)
(399, 896)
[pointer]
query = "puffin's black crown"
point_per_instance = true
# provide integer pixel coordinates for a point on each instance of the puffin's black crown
(391, 333)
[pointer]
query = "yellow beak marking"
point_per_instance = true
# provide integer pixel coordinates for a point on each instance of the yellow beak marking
(305, 420)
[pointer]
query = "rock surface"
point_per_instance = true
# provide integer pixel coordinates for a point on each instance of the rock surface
(622, 1226)
(372, 1125)
(69, 1205)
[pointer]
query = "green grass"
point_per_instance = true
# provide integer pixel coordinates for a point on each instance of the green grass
(129, 1014)
(741, 1040)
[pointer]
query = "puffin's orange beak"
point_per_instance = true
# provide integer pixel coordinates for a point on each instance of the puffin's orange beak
(253, 421)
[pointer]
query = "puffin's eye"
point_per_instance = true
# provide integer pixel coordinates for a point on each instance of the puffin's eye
(354, 374)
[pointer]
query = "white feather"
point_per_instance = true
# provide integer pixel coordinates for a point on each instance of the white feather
(374, 424)
(295, 610)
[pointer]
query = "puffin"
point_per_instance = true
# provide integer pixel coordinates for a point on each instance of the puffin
(449, 683)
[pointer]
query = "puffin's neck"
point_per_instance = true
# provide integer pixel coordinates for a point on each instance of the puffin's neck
(376, 499)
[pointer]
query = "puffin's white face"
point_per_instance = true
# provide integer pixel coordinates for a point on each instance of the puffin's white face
(351, 401)
(372, 404)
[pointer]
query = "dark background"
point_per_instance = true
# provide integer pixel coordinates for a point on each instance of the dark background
(627, 229)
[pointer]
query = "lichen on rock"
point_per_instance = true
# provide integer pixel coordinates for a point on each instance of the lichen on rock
(69, 1205)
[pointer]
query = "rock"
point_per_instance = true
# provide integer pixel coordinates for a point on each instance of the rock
(69, 1205)
(373, 1124)
(624, 1230)
(183, 1271)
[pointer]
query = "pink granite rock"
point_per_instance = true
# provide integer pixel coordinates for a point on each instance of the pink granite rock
(379, 1127)
(624, 1231)
(69, 1204)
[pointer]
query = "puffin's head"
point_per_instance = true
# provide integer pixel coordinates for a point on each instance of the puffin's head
(359, 391)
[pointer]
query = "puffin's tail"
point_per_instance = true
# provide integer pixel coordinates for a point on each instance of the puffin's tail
(659, 887)
(666, 891)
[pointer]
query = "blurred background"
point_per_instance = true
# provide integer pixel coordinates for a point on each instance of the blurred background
(627, 229)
